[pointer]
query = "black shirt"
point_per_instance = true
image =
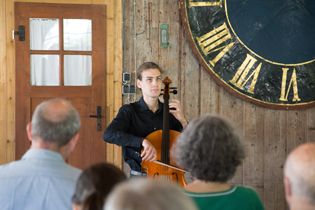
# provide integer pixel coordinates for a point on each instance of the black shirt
(134, 122)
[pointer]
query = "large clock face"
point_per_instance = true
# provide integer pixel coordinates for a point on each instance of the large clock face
(261, 51)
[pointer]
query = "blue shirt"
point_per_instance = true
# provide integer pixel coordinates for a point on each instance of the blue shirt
(40, 180)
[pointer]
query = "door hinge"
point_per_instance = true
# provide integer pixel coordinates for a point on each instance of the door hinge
(20, 32)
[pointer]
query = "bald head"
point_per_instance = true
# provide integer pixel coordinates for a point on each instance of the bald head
(300, 170)
(140, 194)
(55, 121)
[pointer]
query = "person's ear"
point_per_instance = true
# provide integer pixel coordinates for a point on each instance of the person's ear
(29, 131)
(73, 142)
(139, 83)
(287, 188)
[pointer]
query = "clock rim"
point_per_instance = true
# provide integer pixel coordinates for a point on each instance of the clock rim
(220, 82)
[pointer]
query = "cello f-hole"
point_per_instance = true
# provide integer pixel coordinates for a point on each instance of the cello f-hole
(176, 176)
(157, 174)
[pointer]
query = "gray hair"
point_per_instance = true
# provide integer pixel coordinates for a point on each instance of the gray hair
(55, 121)
(143, 194)
(300, 169)
(210, 149)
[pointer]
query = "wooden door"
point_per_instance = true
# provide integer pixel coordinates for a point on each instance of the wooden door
(86, 96)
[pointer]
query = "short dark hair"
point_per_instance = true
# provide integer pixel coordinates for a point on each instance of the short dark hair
(145, 66)
(55, 126)
(210, 149)
(95, 183)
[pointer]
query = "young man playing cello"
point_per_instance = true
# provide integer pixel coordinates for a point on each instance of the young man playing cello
(137, 120)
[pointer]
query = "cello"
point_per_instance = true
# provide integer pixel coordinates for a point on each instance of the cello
(164, 168)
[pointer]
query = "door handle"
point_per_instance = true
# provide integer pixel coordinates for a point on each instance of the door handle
(98, 116)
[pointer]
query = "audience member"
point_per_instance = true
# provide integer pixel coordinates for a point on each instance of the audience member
(42, 179)
(94, 184)
(299, 177)
(143, 194)
(210, 149)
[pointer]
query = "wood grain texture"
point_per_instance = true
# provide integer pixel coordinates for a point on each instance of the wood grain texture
(274, 157)
(210, 95)
(67, 1)
(112, 94)
(190, 83)
(128, 46)
(23, 87)
(168, 55)
(3, 85)
(10, 81)
(110, 77)
(310, 124)
(82, 155)
(117, 7)
(99, 15)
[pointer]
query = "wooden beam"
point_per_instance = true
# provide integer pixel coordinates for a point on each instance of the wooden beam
(110, 74)
(118, 71)
(3, 86)
(10, 101)
(66, 1)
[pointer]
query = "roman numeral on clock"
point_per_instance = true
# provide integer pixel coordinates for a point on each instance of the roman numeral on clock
(204, 4)
(284, 97)
(241, 74)
(210, 41)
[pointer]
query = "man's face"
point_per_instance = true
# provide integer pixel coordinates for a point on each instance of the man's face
(150, 83)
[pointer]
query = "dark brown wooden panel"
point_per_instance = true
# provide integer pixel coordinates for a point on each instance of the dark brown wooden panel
(61, 91)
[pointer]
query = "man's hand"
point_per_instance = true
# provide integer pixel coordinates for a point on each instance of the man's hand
(178, 112)
(149, 152)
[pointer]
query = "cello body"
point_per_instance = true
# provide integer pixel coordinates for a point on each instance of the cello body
(163, 140)
(157, 171)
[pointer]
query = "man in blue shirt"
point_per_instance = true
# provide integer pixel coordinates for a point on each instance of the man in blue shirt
(42, 179)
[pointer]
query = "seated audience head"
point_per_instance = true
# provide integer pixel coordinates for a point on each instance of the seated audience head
(55, 125)
(299, 177)
(94, 184)
(143, 194)
(210, 149)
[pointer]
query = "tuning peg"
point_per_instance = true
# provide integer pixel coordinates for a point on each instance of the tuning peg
(174, 92)
(172, 88)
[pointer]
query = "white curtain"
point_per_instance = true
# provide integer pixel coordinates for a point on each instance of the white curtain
(44, 35)
(77, 70)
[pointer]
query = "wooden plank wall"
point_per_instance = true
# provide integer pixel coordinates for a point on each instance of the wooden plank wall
(7, 72)
(269, 134)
